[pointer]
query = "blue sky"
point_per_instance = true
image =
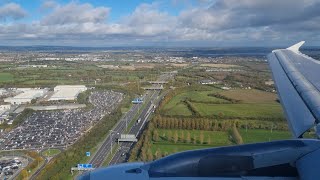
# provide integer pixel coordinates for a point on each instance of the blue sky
(161, 22)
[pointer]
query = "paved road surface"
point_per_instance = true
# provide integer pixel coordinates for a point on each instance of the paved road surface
(150, 97)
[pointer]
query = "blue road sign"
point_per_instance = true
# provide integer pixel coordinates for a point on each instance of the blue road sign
(88, 154)
(85, 166)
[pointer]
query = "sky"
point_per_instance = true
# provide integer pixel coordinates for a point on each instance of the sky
(187, 23)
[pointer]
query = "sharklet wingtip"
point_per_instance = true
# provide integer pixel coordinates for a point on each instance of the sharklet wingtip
(296, 47)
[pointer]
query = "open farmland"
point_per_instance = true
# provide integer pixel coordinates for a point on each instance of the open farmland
(6, 77)
(261, 135)
(250, 96)
(210, 139)
(220, 65)
(251, 104)
(191, 139)
(240, 110)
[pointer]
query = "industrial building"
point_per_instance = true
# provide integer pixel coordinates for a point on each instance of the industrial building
(2, 92)
(26, 96)
(67, 92)
(4, 107)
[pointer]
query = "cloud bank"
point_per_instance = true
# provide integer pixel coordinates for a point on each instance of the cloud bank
(228, 22)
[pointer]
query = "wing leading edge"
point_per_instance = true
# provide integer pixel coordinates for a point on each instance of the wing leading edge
(297, 81)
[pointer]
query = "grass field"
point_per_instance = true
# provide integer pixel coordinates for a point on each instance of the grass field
(220, 65)
(250, 96)
(177, 107)
(217, 138)
(240, 110)
(6, 77)
(51, 152)
(253, 104)
(260, 135)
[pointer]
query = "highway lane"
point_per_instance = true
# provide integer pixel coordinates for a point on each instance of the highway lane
(150, 97)
(125, 147)
(122, 154)
(105, 148)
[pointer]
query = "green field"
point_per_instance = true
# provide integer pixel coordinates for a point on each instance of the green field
(51, 152)
(176, 106)
(260, 135)
(240, 110)
(6, 77)
(251, 96)
(253, 104)
(179, 109)
(217, 138)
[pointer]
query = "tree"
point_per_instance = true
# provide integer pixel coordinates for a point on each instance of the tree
(24, 174)
(194, 139)
(236, 136)
(176, 137)
(143, 154)
(155, 136)
(158, 154)
(169, 136)
(209, 140)
(149, 155)
(188, 138)
(182, 136)
(201, 138)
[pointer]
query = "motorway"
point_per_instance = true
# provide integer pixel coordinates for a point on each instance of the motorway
(125, 147)
(151, 97)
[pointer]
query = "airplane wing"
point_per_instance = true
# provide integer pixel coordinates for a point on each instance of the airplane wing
(297, 81)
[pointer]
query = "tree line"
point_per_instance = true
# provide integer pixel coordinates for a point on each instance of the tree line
(207, 124)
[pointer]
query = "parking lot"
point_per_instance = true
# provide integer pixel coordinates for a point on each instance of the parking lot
(44, 129)
(11, 165)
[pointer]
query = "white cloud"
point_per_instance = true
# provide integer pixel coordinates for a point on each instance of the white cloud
(222, 21)
(76, 13)
(12, 10)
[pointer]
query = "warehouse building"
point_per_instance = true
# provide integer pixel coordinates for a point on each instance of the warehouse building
(26, 96)
(67, 92)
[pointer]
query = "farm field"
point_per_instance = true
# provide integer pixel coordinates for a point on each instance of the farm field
(179, 109)
(251, 96)
(240, 110)
(217, 138)
(6, 77)
(252, 104)
(176, 106)
(220, 65)
(211, 139)
(261, 135)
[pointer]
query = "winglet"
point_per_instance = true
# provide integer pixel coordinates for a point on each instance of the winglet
(295, 48)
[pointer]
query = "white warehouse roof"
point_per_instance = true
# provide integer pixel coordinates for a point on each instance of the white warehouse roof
(67, 92)
(26, 96)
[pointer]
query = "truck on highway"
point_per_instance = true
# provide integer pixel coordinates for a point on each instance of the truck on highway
(139, 120)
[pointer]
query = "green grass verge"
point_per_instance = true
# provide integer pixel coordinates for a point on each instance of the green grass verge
(51, 152)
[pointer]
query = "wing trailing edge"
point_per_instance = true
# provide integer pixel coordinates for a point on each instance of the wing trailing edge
(297, 81)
